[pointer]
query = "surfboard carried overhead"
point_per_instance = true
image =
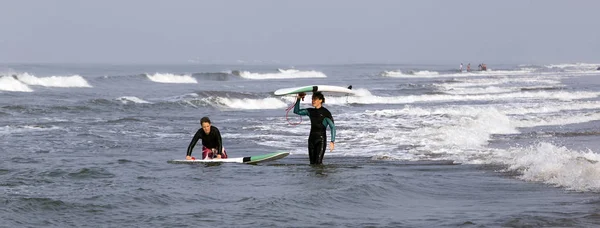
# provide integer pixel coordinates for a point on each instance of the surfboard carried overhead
(246, 160)
(314, 88)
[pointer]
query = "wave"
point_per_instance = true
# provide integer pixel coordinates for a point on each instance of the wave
(438, 130)
(484, 86)
(53, 81)
(9, 83)
(485, 90)
(460, 133)
(409, 73)
(478, 82)
(246, 103)
(232, 100)
(129, 99)
(528, 95)
(242, 101)
(281, 74)
(523, 109)
(575, 66)
(171, 78)
(545, 108)
(217, 76)
(557, 120)
(436, 74)
(574, 134)
(288, 71)
(26, 128)
(555, 165)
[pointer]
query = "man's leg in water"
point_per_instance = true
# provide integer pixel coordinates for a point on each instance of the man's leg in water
(320, 150)
(311, 150)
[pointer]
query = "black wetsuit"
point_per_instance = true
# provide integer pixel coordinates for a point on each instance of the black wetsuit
(212, 140)
(317, 141)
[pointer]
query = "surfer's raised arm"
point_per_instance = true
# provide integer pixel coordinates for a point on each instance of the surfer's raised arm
(297, 110)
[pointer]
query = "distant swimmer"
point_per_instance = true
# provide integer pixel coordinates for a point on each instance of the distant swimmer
(483, 67)
(598, 68)
(469, 67)
(461, 67)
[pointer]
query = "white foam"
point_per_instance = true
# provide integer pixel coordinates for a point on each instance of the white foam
(547, 107)
(283, 74)
(54, 81)
(472, 129)
(434, 74)
(575, 66)
(485, 90)
(8, 83)
(288, 71)
(247, 103)
(559, 166)
(401, 74)
(130, 99)
(557, 120)
(25, 128)
(537, 95)
(473, 82)
(459, 133)
(171, 78)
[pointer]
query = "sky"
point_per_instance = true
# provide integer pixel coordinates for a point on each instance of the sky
(300, 32)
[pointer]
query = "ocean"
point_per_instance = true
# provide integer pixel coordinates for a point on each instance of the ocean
(87, 145)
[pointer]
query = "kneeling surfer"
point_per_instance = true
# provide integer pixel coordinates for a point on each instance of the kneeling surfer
(212, 145)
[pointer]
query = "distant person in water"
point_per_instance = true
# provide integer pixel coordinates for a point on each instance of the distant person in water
(212, 145)
(469, 67)
(598, 68)
(461, 67)
(320, 119)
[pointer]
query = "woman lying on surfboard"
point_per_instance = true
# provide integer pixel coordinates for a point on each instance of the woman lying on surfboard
(320, 118)
(212, 146)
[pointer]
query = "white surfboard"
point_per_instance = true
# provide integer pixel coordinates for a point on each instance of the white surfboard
(314, 88)
(245, 160)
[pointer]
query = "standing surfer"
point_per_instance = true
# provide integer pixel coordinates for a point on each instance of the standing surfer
(212, 145)
(320, 118)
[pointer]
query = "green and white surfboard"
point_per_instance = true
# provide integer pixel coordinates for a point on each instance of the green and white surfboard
(245, 160)
(314, 88)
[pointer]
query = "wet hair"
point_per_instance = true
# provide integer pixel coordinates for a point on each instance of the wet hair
(319, 96)
(205, 120)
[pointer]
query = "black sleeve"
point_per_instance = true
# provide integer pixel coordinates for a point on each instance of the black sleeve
(219, 141)
(193, 142)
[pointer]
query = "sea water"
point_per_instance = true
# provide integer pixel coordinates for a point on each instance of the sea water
(85, 145)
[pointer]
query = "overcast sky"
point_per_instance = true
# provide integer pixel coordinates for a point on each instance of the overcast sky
(299, 32)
